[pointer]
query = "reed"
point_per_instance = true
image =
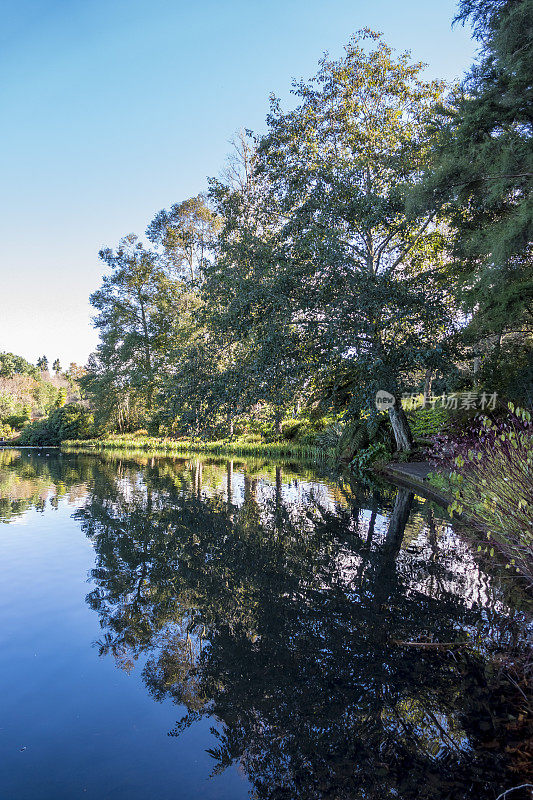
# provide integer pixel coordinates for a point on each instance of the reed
(222, 447)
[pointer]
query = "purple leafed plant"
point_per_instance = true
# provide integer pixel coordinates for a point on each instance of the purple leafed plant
(490, 469)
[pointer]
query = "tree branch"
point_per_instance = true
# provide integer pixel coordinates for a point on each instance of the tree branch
(415, 240)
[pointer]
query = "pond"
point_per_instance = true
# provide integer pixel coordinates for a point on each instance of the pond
(176, 628)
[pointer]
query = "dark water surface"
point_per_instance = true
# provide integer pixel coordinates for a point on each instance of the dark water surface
(187, 628)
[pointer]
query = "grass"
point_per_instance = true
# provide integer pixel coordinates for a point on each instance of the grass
(221, 447)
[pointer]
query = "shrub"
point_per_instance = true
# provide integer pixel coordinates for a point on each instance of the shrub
(6, 431)
(367, 458)
(492, 481)
(16, 421)
(358, 435)
(290, 428)
(329, 438)
(250, 438)
(68, 422)
(38, 434)
(428, 421)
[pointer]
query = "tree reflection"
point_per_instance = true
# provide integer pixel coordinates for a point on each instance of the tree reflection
(278, 618)
(29, 480)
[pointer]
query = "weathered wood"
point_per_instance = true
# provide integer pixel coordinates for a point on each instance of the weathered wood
(430, 645)
(400, 428)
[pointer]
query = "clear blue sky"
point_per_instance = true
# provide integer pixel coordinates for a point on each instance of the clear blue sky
(113, 109)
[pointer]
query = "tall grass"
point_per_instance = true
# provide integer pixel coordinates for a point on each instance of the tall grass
(493, 484)
(222, 447)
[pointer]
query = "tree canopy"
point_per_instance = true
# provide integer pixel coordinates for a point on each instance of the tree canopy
(375, 237)
(483, 173)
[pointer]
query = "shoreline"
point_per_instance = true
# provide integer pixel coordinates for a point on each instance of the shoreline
(410, 475)
(30, 447)
(399, 473)
(221, 448)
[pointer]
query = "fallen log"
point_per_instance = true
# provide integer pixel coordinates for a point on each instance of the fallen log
(430, 645)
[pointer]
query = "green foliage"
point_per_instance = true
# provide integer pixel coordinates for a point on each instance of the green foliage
(184, 233)
(329, 437)
(320, 431)
(367, 458)
(246, 446)
(493, 485)
(151, 356)
(290, 428)
(68, 422)
(358, 436)
(25, 389)
(508, 368)
(429, 421)
(357, 275)
(483, 171)
(6, 430)
(439, 481)
(11, 364)
(61, 398)
(313, 275)
(16, 421)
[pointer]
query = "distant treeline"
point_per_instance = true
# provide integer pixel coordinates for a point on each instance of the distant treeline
(29, 391)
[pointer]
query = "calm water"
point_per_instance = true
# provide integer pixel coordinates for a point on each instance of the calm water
(180, 628)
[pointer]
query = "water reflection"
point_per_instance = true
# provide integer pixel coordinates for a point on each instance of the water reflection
(35, 480)
(277, 604)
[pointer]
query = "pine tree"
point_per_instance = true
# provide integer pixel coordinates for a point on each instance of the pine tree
(484, 168)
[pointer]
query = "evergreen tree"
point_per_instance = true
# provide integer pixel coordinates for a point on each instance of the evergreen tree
(484, 170)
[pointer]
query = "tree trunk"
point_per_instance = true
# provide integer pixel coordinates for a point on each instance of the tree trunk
(398, 520)
(147, 352)
(400, 426)
(229, 480)
(277, 419)
(427, 385)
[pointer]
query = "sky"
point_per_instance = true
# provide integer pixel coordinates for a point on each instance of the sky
(113, 109)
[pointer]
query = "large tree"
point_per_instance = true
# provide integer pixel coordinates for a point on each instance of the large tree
(483, 172)
(355, 275)
(125, 363)
(249, 327)
(184, 234)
